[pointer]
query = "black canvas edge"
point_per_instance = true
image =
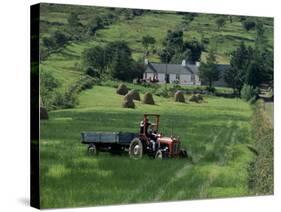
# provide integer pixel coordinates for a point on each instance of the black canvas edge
(34, 109)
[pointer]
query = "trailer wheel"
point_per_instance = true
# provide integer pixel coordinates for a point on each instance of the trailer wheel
(136, 149)
(92, 149)
(159, 155)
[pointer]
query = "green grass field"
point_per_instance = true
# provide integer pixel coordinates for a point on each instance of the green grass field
(215, 134)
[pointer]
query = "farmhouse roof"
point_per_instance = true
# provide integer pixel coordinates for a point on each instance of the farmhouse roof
(171, 68)
(178, 68)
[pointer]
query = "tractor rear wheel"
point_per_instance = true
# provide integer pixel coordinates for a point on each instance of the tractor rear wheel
(136, 149)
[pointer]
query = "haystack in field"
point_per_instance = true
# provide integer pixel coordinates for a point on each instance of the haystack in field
(179, 96)
(135, 95)
(148, 99)
(43, 113)
(122, 89)
(196, 98)
(200, 97)
(128, 102)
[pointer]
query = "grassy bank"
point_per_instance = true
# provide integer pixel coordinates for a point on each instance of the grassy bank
(261, 172)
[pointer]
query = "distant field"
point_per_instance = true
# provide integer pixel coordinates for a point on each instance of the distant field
(215, 133)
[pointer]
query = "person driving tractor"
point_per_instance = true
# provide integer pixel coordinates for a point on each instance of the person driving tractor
(149, 129)
(144, 124)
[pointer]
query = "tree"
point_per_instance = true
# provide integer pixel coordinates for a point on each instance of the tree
(248, 25)
(73, 20)
(94, 24)
(60, 38)
(138, 68)
(261, 40)
(56, 40)
(261, 69)
(174, 40)
(92, 72)
(147, 41)
(48, 86)
(254, 75)
(220, 22)
(166, 55)
(230, 18)
(49, 42)
(195, 48)
(115, 59)
(188, 17)
(208, 71)
(179, 56)
(121, 67)
(95, 57)
(137, 12)
(113, 48)
(240, 59)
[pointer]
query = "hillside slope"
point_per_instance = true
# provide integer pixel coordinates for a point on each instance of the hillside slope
(65, 64)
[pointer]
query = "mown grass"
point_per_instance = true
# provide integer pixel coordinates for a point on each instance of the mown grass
(215, 133)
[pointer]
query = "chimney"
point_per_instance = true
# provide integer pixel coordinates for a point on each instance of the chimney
(183, 63)
(197, 63)
(145, 61)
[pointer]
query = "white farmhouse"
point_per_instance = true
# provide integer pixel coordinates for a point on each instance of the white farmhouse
(183, 74)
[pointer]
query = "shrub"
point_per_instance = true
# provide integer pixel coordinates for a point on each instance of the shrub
(68, 99)
(162, 92)
(92, 72)
(205, 40)
(248, 93)
(211, 89)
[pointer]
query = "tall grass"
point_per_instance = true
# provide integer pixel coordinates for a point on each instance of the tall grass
(261, 171)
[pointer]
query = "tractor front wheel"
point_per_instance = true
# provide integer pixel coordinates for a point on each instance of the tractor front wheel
(183, 153)
(159, 155)
(136, 149)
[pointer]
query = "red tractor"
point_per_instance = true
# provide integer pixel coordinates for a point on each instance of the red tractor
(151, 142)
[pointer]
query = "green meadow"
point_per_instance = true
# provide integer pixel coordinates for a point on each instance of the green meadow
(215, 133)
